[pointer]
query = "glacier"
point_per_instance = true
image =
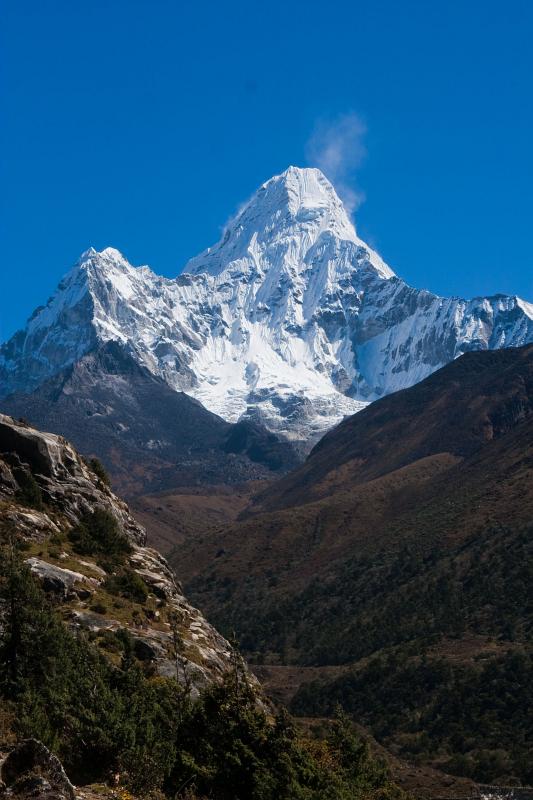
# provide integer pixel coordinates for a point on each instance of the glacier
(290, 319)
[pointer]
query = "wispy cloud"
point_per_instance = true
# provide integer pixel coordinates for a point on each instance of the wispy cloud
(336, 146)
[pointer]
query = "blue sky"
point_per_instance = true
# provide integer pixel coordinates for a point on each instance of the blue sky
(143, 124)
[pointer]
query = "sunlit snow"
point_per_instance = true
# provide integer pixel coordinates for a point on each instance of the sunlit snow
(290, 317)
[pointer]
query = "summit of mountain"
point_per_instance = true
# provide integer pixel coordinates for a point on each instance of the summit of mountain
(290, 320)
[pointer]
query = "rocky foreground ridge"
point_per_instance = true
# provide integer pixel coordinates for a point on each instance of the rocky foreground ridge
(150, 701)
(46, 490)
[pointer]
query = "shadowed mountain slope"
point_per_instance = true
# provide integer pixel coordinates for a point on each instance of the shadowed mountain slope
(149, 436)
(457, 410)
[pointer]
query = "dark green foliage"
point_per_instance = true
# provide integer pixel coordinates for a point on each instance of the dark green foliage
(408, 601)
(129, 584)
(23, 600)
(100, 471)
(99, 718)
(230, 752)
(392, 598)
(479, 713)
(97, 534)
(29, 492)
(353, 755)
(61, 688)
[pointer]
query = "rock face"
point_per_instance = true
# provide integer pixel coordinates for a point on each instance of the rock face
(29, 769)
(64, 582)
(290, 319)
(69, 491)
(66, 482)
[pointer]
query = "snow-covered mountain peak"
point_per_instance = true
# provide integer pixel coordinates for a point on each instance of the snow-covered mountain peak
(107, 259)
(92, 266)
(284, 221)
(310, 195)
(290, 318)
(301, 195)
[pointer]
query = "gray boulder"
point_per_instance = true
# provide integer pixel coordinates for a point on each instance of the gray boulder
(31, 770)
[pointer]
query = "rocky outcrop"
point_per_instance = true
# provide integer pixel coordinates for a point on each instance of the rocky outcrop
(29, 769)
(67, 483)
(168, 633)
(207, 653)
(203, 655)
(63, 582)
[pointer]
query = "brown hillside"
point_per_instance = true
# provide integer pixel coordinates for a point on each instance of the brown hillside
(406, 535)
